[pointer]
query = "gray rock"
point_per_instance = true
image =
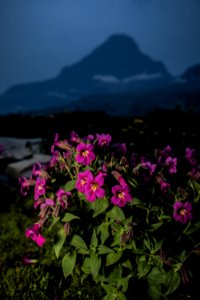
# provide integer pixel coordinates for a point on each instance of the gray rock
(17, 149)
(24, 167)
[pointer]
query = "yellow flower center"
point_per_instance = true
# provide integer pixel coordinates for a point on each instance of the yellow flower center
(85, 153)
(94, 187)
(183, 212)
(121, 195)
(83, 181)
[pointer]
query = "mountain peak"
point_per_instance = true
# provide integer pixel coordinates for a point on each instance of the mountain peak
(121, 38)
(119, 56)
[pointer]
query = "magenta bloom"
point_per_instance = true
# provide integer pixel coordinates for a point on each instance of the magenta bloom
(90, 137)
(40, 188)
(34, 234)
(25, 184)
(37, 169)
(171, 163)
(48, 202)
(93, 188)
(190, 156)
(55, 158)
(103, 139)
(62, 197)
(85, 154)
(182, 211)
(149, 166)
(83, 179)
(120, 195)
(164, 186)
(74, 137)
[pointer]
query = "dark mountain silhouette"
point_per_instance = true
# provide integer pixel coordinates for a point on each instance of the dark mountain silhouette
(118, 65)
(192, 74)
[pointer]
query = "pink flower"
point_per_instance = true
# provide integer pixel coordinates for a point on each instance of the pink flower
(25, 184)
(40, 188)
(119, 178)
(103, 139)
(149, 166)
(82, 180)
(85, 154)
(62, 197)
(182, 211)
(39, 170)
(48, 202)
(121, 195)
(171, 163)
(89, 137)
(55, 158)
(190, 156)
(164, 186)
(93, 188)
(74, 137)
(34, 234)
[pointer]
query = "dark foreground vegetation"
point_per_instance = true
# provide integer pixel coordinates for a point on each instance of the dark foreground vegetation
(160, 127)
(29, 272)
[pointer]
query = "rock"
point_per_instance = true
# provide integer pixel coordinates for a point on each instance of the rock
(24, 167)
(17, 149)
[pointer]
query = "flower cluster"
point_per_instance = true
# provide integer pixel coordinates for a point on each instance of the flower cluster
(108, 199)
(80, 160)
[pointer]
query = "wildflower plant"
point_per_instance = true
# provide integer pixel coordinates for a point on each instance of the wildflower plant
(117, 216)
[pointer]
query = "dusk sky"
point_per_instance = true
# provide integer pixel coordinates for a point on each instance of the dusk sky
(39, 37)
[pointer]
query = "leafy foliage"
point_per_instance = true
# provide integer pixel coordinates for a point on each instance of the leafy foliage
(118, 217)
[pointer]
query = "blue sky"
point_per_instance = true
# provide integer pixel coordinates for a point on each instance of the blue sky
(39, 37)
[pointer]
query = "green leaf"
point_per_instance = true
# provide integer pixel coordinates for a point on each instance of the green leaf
(115, 275)
(86, 266)
(133, 182)
(107, 297)
(100, 205)
(134, 247)
(123, 282)
(95, 264)
(127, 264)
(69, 186)
(136, 202)
(116, 213)
(155, 226)
(54, 221)
(104, 233)
(104, 250)
(172, 282)
(83, 251)
(147, 244)
(121, 296)
(59, 240)
(156, 276)
(68, 263)
(109, 289)
(112, 258)
(183, 256)
(157, 247)
(78, 242)
(154, 291)
(94, 240)
(143, 267)
(69, 217)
